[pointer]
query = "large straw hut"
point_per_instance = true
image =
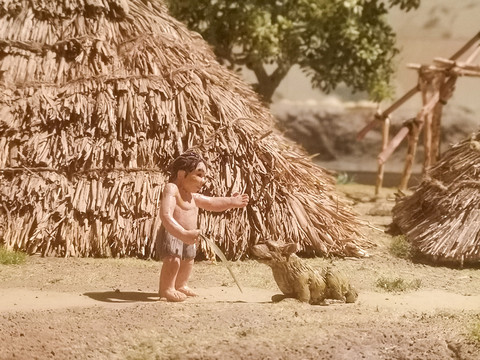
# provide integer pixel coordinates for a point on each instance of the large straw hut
(442, 217)
(98, 96)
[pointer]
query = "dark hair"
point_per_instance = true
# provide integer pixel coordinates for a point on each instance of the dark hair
(188, 162)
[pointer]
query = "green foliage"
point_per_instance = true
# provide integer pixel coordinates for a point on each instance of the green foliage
(401, 247)
(475, 332)
(405, 4)
(145, 350)
(397, 284)
(333, 41)
(344, 178)
(8, 257)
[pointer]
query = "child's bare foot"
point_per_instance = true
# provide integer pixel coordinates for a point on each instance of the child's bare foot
(173, 295)
(187, 291)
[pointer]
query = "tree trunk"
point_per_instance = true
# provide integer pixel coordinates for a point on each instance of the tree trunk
(267, 84)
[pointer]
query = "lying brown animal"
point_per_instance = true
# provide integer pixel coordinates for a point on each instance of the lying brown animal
(299, 280)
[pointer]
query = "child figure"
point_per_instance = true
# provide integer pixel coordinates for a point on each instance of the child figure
(178, 235)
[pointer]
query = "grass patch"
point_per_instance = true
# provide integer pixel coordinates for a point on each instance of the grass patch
(401, 247)
(8, 257)
(475, 332)
(145, 350)
(343, 178)
(397, 284)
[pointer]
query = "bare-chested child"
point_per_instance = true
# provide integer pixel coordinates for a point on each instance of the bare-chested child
(179, 233)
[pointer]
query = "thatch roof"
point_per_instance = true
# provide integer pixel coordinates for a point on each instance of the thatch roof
(442, 217)
(98, 96)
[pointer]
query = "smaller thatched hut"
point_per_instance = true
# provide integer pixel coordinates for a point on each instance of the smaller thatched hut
(442, 217)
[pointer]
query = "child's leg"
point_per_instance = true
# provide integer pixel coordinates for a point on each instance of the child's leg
(183, 275)
(168, 277)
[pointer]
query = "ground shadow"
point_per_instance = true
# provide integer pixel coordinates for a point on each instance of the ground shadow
(118, 296)
(240, 302)
(279, 297)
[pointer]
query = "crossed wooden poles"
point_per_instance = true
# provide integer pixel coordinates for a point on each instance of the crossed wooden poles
(436, 83)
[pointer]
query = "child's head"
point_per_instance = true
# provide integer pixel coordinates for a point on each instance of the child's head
(187, 162)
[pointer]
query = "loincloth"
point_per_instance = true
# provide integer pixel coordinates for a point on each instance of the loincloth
(168, 245)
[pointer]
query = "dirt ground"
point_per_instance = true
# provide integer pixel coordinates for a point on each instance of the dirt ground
(55, 308)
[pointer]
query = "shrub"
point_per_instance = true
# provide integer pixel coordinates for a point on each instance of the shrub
(475, 332)
(401, 247)
(9, 257)
(397, 284)
(344, 178)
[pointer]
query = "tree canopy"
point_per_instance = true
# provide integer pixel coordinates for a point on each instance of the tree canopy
(332, 41)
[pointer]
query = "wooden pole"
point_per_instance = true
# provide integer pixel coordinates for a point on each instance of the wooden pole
(427, 142)
(473, 55)
(445, 93)
(372, 124)
(430, 89)
(424, 82)
(437, 118)
(465, 47)
(436, 132)
(381, 165)
(397, 139)
(416, 127)
(382, 116)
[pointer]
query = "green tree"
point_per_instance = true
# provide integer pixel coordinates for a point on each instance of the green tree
(332, 41)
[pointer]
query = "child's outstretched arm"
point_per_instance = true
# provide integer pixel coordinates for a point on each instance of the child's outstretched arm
(167, 208)
(221, 203)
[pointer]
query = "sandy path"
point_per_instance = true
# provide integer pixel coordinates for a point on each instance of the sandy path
(18, 299)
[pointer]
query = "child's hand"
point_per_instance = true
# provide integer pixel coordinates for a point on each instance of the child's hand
(239, 201)
(191, 237)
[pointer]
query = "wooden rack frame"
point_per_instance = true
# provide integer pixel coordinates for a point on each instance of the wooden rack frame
(436, 83)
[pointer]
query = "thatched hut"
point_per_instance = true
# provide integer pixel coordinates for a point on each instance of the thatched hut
(442, 217)
(98, 96)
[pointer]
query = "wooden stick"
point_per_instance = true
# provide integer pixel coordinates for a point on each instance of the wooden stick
(400, 101)
(457, 66)
(381, 166)
(382, 116)
(429, 101)
(462, 72)
(473, 55)
(436, 132)
(397, 139)
(446, 91)
(465, 47)
(412, 149)
(372, 124)
(425, 67)
(220, 254)
(445, 62)
(427, 141)
(431, 91)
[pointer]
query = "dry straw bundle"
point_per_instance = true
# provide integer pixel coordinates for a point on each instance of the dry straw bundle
(442, 217)
(98, 96)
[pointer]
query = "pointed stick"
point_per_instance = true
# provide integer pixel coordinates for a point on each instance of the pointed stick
(220, 254)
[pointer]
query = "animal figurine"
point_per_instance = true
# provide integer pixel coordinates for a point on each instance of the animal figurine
(297, 279)
(338, 287)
